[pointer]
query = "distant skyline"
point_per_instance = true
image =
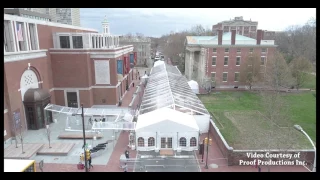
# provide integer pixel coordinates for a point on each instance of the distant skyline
(159, 21)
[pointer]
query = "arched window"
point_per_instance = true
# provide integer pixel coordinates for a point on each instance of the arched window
(193, 142)
(183, 142)
(151, 141)
(140, 142)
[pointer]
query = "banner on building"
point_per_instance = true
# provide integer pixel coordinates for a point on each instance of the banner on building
(17, 119)
(125, 65)
(135, 57)
(119, 67)
(131, 58)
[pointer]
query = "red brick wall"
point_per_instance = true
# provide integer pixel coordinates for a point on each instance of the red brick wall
(70, 70)
(231, 68)
(59, 97)
(85, 98)
(104, 93)
(7, 126)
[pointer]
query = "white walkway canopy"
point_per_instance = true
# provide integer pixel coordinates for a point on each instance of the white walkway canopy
(114, 117)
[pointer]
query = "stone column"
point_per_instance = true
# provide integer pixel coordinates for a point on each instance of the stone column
(94, 41)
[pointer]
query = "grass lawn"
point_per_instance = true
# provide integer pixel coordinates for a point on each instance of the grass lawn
(310, 83)
(237, 118)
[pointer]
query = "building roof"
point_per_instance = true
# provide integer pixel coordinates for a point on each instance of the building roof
(226, 40)
(16, 165)
(165, 115)
(167, 87)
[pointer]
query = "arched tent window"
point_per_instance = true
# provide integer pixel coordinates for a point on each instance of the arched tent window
(151, 141)
(193, 142)
(183, 142)
(140, 142)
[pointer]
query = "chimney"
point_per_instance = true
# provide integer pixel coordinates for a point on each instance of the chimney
(220, 32)
(233, 36)
(262, 35)
(259, 33)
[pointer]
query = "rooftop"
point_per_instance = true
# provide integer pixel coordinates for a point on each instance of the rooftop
(226, 40)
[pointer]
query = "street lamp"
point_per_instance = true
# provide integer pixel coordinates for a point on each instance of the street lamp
(207, 143)
(84, 139)
(299, 128)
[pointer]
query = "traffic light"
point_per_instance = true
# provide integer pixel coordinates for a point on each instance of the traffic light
(88, 154)
(205, 140)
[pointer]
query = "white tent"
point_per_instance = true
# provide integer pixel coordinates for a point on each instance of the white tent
(166, 128)
(194, 86)
(157, 63)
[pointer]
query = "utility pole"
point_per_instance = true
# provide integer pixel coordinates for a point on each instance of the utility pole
(84, 139)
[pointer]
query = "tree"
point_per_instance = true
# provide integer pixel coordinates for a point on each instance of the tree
(250, 72)
(277, 72)
(19, 132)
(300, 67)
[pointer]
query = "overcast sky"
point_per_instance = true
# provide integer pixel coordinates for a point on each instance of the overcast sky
(158, 21)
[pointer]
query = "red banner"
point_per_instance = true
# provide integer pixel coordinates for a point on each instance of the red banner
(125, 65)
(135, 58)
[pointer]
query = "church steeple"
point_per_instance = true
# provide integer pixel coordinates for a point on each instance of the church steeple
(105, 26)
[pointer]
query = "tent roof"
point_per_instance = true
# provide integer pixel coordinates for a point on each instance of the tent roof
(167, 87)
(165, 114)
(157, 63)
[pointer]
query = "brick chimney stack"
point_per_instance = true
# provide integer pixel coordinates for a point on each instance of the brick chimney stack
(220, 32)
(262, 34)
(259, 36)
(233, 36)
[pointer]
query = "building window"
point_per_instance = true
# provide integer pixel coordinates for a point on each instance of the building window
(150, 141)
(64, 42)
(225, 77)
(22, 43)
(251, 50)
(226, 50)
(226, 59)
(183, 142)
(263, 59)
(140, 142)
(214, 50)
(214, 60)
(238, 50)
(263, 50)
(193, 142)
(8, 37)
(33, 37)
(213, 76)
(236, 77)
(238, 61)
(77, 42)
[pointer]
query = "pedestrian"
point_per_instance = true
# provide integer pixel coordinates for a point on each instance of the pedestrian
(126, 153)
(132, 84)
(89, 161)
(125, 167)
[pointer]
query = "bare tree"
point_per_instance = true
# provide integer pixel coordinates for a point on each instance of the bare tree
(277, 72)
(250, 72)
(19, 131)
(300, 67)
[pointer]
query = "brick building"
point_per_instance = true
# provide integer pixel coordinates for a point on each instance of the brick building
(243, 27)
(46, 62)
(219, 58)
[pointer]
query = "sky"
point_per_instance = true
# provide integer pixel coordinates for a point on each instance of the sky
(159, 21)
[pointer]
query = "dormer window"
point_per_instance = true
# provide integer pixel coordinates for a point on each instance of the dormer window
(64, 42)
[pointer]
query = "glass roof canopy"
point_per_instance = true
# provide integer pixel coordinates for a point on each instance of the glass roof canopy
(167, 87)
